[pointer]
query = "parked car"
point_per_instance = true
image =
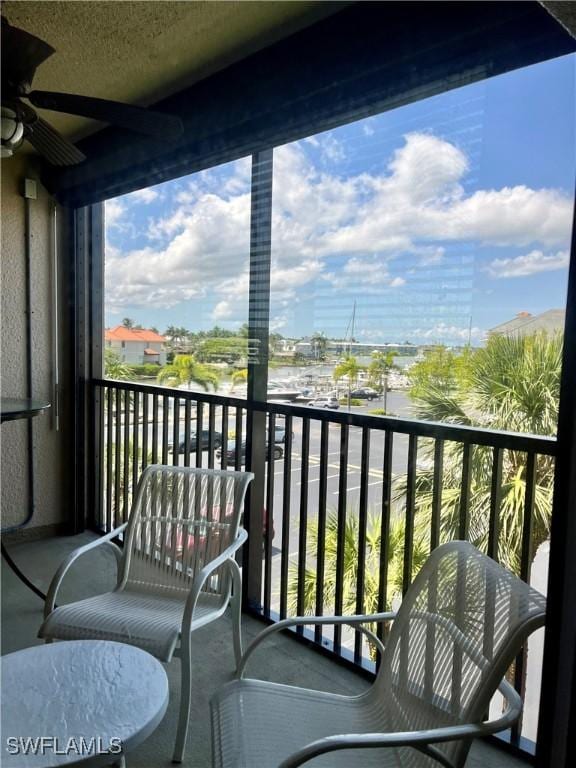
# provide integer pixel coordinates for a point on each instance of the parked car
(364, 393)
(325, 402)
(280, 433)
(278, 452)
(204, 442)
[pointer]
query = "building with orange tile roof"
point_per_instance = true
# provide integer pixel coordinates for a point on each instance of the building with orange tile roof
(136, 345)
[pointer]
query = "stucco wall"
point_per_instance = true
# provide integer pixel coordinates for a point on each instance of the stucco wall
(53, 450)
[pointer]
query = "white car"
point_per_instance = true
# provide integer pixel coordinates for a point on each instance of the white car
(325, 402)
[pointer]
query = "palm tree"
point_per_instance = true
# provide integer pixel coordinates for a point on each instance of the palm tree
(350, 369)
(512, 384)
(114, 368)
(239, 377)
(379, 369)
(185, 369)
(319, 345)
(351, 558)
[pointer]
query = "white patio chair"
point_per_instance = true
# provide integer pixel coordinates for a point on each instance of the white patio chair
(176, 571)
(458, 629)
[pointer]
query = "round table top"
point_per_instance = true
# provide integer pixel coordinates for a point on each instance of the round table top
(78, 702)
(12, 408)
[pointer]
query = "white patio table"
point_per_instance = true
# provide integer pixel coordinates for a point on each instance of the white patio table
(80, 702)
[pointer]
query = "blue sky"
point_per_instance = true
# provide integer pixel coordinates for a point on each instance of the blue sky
(438, 220)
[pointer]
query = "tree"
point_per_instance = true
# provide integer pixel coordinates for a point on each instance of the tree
(319, 345)
(378, 370)
(127, 322)
(352, 551)
(185, 369)
(440, 369)
(239, 377)
(222, 349)
(350, 369)
(114, 368)
(512, 384)
(274, 340)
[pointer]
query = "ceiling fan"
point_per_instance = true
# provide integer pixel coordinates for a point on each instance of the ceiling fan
(22, 54)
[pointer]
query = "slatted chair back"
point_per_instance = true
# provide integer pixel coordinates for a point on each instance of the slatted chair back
(181, 519)
(455, 636)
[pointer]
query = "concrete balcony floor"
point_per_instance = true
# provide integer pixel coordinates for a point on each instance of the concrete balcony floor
(282, 659)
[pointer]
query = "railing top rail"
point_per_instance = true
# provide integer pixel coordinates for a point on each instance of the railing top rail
(515, 441)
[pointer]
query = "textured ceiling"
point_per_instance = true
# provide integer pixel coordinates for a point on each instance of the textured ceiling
(565, 13)
(139, 52)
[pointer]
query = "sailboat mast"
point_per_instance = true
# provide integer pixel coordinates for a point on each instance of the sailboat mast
(352, 329)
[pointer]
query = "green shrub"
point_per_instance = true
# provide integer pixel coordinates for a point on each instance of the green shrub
(353, 401)
(378, 412)
(145, 369)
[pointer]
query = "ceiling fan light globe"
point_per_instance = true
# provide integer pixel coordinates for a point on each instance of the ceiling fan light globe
(11, 131)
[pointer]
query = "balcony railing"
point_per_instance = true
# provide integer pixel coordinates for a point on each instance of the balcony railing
(343, 523)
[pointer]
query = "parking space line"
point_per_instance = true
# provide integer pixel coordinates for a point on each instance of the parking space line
(354, 488)
(317, 479)
(294, 469)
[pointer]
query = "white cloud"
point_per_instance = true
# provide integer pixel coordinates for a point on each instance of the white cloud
(114, 210)
(442, 332)
(146, 196)
(223, 310)
(365, 221)
(530, 264)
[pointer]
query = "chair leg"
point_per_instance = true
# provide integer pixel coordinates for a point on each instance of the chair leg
(185, 699)
(236, 608)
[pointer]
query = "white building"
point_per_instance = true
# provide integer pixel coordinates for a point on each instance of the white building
(136, 345)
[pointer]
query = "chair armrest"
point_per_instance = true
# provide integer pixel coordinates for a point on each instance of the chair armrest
(300, 620)
(202, 576)
(420, 740)
(72, 557)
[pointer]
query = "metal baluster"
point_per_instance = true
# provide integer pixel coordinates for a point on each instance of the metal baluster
(211, 429)
(495, 502)
(342, 492)
(285, 518)
(108, 519)
(385, 527)
(238, 440)
(362, 526)
(525, 562)
(199, 429)
(187, 446)
(322, 492)
(155, 429)
(303, 523)
(117, 463)
(135, 442)
(224, 438)
(410, 512)
(176, 433)
(437, 494)
(165, 417)
(144, 431)
(269, 517)
(464, 521)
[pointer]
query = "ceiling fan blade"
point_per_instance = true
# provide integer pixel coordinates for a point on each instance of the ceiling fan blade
(52, 145)
(22, 54)
(139, 119)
